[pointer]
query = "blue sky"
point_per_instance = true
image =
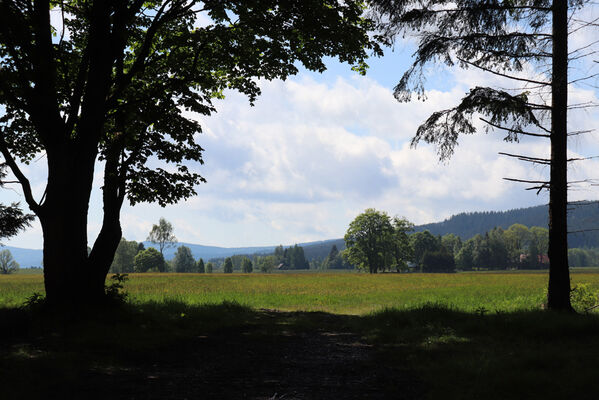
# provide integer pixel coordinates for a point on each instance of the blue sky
(318, 149)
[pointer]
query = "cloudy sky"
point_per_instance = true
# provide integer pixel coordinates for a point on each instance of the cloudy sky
(318, 149)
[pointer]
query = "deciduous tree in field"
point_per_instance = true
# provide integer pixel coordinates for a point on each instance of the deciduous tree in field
(228, 266)
(209, 268)
(522, 40)
(200, 267)
(7, 264)
(124, 257)
(116, 81)
(246, 266)
(149, 259)
(375, 243)
(162, 235)
(184, 261)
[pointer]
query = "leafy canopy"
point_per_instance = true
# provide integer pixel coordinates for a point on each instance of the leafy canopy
(124, 79)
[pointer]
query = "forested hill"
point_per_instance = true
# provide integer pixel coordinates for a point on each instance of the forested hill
(582, 216)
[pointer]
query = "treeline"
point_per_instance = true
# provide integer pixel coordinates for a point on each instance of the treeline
(583, 218)
(517, 247)
(132, 256)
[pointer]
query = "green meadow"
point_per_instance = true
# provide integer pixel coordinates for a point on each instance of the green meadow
(342, 293)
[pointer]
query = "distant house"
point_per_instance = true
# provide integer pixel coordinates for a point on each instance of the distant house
(541, 258)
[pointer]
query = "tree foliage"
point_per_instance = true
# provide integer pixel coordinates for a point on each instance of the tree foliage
(12, 218)
(200, 267)
(149, 260)
(162, 235)
(124, 257)
(374, 242)
(246, 266)
(228, 266)
(7, 263)
(184, 261)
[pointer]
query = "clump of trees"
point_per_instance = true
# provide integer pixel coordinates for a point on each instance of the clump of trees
(291, 257)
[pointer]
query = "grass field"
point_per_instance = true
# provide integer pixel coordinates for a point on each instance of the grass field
(305, 336)
(335, 293)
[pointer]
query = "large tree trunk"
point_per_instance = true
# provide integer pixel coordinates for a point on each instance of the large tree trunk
(63, 217)
(558, 297)
(73, 278)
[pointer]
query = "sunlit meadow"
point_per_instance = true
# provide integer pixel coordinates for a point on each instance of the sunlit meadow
(342, 293)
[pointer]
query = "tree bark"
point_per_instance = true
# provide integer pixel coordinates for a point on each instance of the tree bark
(63, 216)
(558, 295)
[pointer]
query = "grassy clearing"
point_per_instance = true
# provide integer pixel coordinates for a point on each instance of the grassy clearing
(335, 293)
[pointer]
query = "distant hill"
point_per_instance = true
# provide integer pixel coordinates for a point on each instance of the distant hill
(582, 216)
(33, 258)
(208, 252)
(25, 257)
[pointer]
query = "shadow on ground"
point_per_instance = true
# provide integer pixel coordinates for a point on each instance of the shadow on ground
(177, 351)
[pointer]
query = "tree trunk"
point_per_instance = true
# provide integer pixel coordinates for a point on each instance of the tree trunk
(71, 277)
(558, 296)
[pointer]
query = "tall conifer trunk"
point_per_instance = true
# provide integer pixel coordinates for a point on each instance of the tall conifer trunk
(558, 297)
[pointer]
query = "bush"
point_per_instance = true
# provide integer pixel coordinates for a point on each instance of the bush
(583, 297)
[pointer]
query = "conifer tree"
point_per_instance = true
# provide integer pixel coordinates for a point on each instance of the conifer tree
(513, 39)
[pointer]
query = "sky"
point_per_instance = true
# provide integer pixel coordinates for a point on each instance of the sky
(316, 150)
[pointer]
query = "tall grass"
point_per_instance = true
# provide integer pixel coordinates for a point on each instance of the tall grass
(330, 292)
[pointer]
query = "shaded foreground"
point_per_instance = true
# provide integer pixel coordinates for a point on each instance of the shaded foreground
(174, 350)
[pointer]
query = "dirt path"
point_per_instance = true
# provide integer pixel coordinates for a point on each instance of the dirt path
(276, 359)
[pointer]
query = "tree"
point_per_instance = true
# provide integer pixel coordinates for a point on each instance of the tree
(371, 241)
(149, 260)
(184, 261)
(7, 264)
(115, 81)
(162, 235)
(501, 37)
(228, 266)
(266, 264)
(124, 257)
(334, 260)
(247, 266)
(200, 266)
(12, 218)
(401, 249)
(452, 243)
(209, 268)
(421, 243)
(465, 257)
(438, 261)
